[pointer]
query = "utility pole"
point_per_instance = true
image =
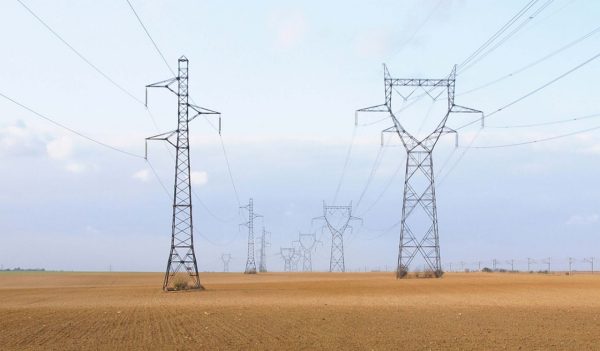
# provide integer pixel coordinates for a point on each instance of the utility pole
(571, 260)
(512, 264)
(337, 220)
(590, 261)
(548, 261)
(250, 262)
(264, 243)
(419, 200)
(226, 258)
(182, 268)
(529, 262)
(308, 243)
(287, 253)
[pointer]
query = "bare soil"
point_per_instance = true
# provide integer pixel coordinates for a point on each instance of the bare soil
(277, 311)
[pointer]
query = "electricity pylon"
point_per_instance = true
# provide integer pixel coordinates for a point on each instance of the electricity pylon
(287, 253)
(512, 264)
(250, 263)
(548, 261)
(182, 269)
(419, 185)
(308, 243)
(571, 260)
(226, 258)
(590, 261)
(337, 220)
(529, 262)
(264, 243)
(298, 255)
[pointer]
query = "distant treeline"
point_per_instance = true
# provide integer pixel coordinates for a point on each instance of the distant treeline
(19, 269)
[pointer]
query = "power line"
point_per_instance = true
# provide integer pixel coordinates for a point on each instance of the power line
(498, 33)
(546, 123)
(508, 36)
(158, 179)
(89, 63)
(537, 140)
(534, 91)
(466, 149)
(220, 137)
(80, 55)
(532, 64)
(374, 168)
(385, 189)
(150, 37)
(346, 161)
(71, 130)
(112, 81)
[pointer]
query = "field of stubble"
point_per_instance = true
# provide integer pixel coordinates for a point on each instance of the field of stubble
(275, 311)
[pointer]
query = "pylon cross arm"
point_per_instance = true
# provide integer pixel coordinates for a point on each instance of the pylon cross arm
(162, 84)
(163, 137)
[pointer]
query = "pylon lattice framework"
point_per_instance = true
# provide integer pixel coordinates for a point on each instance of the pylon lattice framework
(264, 243)
(337, 262)
(307, 243)
(287, 253)
(226, 258)
(182, 258)
(250, 262)
(419, 184)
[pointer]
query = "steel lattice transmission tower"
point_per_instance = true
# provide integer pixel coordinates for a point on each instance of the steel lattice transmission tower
(308, 243)
(226, 258)
(590, 261)
(337, 220)
(182, 268)
(264, 243)
(251, 262)
(419, 184)
(287, 253)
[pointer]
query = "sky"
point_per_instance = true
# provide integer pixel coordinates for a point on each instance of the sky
(288, 78)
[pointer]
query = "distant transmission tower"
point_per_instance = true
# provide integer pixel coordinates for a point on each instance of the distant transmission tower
(226, 258)
(529, 262)
(250, 263)
(182, 268)
(337, 219)
(287, 253)
(308, 243)
(419, 185)
(590, 261)
(298, 255)
(571, 260)
(548, 261)
(512, 264)
(264, 243)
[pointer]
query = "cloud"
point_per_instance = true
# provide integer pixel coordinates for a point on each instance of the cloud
(142, 175)
(199, 178)
(581, 219)
(75, 167)
(60, 148)
(289, 28)
(18, 139)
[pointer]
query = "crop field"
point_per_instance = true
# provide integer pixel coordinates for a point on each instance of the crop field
(275, 311)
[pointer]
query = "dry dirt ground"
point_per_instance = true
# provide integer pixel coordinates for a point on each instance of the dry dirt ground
(277, 311)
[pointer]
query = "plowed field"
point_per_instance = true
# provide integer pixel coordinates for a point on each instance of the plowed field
(276, 311)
